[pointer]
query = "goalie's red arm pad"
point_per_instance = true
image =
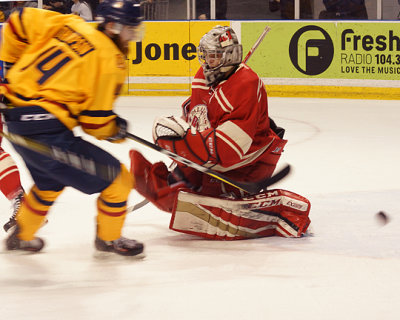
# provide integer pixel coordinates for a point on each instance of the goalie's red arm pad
(274, 213)
(151, 181)
(196, 147)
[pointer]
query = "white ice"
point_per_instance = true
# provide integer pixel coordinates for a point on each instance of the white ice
(346, 158)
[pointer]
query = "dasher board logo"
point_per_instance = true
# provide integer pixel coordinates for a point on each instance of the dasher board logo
(311, 50)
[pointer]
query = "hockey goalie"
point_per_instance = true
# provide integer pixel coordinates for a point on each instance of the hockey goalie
(224, 126)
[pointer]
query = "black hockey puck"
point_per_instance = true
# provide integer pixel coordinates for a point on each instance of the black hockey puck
(382, 218)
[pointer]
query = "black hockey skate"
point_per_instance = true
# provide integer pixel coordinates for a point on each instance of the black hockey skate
(121, 246)
(16, 205)
(13, 243)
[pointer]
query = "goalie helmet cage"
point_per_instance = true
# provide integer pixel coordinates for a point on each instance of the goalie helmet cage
(155, 10)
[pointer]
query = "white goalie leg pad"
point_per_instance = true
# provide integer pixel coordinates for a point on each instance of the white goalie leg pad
(273, 213)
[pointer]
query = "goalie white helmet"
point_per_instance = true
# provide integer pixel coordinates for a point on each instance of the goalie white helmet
(219, 52)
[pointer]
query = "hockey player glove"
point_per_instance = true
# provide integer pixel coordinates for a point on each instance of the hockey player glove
(175, 135)
(122, 127)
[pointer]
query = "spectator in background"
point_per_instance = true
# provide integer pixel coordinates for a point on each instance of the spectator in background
(20, 4)
(98, 5)
(203, 9)
(93, 6)
(344, 10)
(287, 8)
(398, 16)
(4, 11)
(2, 15)
(149, 9)
(61, 6)
(15, 5)
(82, 9)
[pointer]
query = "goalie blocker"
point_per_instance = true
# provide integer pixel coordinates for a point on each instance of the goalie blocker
(272, 213)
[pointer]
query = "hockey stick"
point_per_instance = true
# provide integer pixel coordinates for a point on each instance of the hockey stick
(76, 161)
(256, 44)
(250, 187)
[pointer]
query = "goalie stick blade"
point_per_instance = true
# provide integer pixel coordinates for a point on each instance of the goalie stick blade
(256, 187)
(137, 206)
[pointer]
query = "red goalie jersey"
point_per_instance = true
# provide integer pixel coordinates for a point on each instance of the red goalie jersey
(235, 114)
(225, 127)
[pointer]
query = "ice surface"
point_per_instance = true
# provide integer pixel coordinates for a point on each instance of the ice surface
(345, 155)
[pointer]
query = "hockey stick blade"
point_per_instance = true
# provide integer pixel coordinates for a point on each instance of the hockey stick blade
(258, 186)
(137, 206)
(249, 187)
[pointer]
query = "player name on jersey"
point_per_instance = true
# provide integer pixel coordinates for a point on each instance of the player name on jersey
(74, 40)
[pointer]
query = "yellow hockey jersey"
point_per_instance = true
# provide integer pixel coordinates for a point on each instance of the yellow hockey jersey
(64, 65)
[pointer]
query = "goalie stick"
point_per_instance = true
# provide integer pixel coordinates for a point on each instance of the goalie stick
(256, 44)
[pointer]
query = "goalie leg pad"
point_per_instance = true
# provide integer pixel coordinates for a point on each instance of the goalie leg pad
(273, 213)
(151, 181)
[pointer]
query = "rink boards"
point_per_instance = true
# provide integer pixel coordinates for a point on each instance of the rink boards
(310, 58)
(296, 59)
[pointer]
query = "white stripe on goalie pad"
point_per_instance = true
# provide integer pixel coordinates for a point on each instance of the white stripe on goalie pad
(273, 213)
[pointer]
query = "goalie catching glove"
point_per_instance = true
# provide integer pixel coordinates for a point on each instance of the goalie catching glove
(175, 135)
